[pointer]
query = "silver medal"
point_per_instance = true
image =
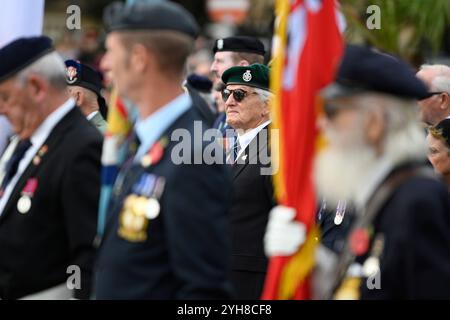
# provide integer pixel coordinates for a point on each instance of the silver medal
(340, 212)
(371, 266)
(338, 219)
(153, 208)
(24, 204)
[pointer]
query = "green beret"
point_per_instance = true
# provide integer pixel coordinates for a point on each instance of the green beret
(255, 75)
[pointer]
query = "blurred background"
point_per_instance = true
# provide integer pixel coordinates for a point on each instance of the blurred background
(416, 30)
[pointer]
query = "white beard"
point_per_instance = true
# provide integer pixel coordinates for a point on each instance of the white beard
(340, 173)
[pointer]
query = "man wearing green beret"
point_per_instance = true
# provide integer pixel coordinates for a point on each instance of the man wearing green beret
(246, 99)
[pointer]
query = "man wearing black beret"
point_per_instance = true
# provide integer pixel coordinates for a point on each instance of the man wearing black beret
(230, 52)
(246, 99)
(49, 193)
(85, 85)
(166, 233)
(398, 246)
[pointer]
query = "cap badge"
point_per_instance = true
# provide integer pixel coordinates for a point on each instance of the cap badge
(220, 44)
(72, 73)
(247, 76)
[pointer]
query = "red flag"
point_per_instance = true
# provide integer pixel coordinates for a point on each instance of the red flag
(308, 48)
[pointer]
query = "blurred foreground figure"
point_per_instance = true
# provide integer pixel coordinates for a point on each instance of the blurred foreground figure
(166, 233)
(50, 188)
(5, 133)
(399, 245)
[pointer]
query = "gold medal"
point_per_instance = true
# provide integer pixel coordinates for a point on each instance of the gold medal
(132, 220)
(349, 289)
(24, 204)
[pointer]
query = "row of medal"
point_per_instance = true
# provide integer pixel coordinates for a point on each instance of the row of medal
(141, 206)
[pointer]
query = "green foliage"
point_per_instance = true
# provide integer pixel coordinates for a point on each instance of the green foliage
(407, 26)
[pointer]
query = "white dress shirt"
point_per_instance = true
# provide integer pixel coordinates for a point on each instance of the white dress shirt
(37, 140)
(247, 137)
(91, 115)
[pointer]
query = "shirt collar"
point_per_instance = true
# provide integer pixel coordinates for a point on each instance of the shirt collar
(91, 115)
(43, 131)
(247, 137)
(151, 128)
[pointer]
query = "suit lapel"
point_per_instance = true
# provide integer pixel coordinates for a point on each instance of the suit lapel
(52, 142)
(258, 143)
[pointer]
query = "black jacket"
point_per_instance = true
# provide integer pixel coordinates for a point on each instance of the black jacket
(184, 252)
(253, 199)
(58, 231)
(415, 224)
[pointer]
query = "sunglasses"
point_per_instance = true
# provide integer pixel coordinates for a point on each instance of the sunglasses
(430, 94)
(238, 94)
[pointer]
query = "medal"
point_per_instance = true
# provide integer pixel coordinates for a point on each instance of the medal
(152, 209)
(371, 266)
(155, 154)
(132, 220)
(24, 204)
(359, 241)
(340, 212)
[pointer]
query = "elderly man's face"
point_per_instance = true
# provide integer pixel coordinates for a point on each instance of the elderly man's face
(249, 112)
(341, 127)
(439, 155)
(340, 168)
(13, 105)
(432, 109)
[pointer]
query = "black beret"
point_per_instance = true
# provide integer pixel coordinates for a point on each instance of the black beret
(160, 15)
(255, 75)
(443, 128)
(363, 69)
(239, 44)
(200, 83)
(82, 75)
(79, 74)
(20, 53)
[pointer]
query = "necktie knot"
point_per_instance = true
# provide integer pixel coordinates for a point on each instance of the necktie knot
(234, 152)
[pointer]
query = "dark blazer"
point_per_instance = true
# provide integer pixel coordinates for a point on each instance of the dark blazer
(253, 199)
(186, 250)
(58, 231)
(415, 261)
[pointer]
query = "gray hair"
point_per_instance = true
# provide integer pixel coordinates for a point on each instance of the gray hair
(264, 95)
(51, 67)
(441, 81)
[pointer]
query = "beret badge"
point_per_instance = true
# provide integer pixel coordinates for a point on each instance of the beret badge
(247, 76)
(72, 74)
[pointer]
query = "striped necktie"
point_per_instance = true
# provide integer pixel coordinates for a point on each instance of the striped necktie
(13, 164)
